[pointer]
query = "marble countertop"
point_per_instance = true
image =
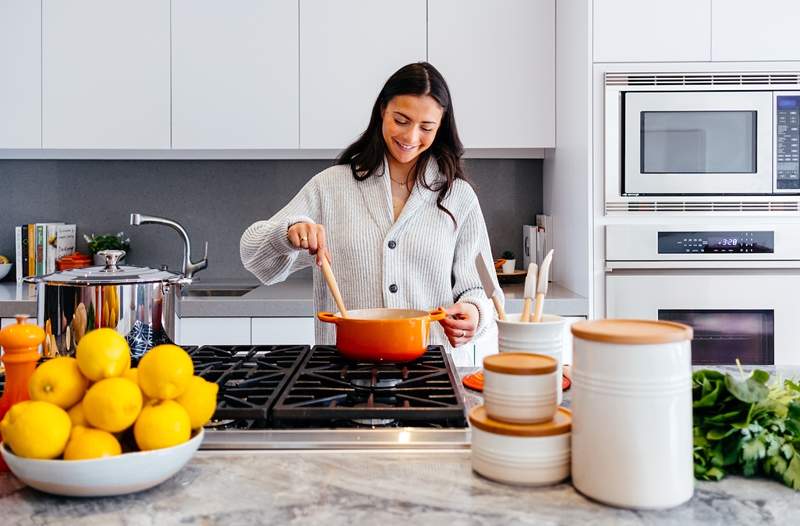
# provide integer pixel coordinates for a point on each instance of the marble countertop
(291, 298)
(378, 487)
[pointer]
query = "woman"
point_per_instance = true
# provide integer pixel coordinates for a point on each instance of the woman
(395, 216)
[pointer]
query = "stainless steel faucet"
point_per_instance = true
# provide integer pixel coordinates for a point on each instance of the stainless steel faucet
(189, 266)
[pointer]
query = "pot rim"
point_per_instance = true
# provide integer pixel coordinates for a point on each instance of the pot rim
(432, 315)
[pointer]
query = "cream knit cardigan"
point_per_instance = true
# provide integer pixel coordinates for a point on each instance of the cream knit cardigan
(432, 263)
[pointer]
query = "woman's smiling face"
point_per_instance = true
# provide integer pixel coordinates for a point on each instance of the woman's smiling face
(409, 127)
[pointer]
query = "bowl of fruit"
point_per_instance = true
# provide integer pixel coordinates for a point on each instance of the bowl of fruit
(5, 266)
(95, 427)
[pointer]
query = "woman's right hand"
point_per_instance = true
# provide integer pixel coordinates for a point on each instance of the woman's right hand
(311, 237)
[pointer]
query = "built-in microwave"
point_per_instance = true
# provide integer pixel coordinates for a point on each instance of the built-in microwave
(701, 135)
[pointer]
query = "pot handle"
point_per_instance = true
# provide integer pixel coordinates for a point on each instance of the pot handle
(437, 314)
(327, 317)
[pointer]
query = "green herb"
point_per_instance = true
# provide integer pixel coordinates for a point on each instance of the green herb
(116, 241)
(746, 426)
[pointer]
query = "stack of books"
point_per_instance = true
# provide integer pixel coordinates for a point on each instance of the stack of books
(39, 245)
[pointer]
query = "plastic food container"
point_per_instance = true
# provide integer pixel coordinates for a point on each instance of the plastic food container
(525, 454)
(545, 337)
(632, 405)
(519, 387)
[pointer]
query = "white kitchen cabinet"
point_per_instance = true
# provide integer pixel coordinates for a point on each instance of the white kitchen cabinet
(653, 30)
(283, 331)
(213, 331)
(234, 74)
(20, 63)
(498, 59)
(348, 49)
(106, 74)
(744, 30)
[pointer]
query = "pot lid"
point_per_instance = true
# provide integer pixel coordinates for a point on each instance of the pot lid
(632, 332)
(109, 274)
(560, 424)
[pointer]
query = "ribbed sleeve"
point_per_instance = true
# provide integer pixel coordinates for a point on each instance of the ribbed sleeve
(420, 261)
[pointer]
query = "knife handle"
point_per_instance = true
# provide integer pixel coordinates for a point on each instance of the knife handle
(537, 308)
(499, 306)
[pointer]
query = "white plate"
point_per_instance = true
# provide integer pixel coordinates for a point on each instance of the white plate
(118, 475)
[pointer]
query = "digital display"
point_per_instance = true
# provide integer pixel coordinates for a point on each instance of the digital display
(716, 242)
(786, 102)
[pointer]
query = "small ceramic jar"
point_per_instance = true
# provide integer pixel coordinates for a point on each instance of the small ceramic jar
(525, 454)
(520, 387)
(632, 404)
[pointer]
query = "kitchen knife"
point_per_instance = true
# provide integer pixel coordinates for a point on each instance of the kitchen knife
(541, 286)
(529, 292)
(488, 285)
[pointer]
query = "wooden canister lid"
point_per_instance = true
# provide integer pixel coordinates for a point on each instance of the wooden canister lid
(560, 424)
(632, 332)
(520, 363)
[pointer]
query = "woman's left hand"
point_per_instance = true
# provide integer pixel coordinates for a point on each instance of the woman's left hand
(461, 323)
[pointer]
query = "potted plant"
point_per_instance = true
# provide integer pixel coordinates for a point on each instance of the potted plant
(510, 262)
(101, 242)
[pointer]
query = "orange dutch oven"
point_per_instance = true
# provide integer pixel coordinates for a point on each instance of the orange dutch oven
(383, 335)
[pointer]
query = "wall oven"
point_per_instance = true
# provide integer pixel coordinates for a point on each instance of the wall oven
(694, 137)
(739, 288)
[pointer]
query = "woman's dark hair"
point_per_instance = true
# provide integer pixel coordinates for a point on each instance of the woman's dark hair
(365, 156)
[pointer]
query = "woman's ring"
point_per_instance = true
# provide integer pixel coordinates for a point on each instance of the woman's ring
(303, 238)
(463, 333)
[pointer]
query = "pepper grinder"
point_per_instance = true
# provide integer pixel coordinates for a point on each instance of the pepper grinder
(20, 343)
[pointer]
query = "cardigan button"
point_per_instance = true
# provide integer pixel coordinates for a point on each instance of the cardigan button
(392, 288)
(392, 243)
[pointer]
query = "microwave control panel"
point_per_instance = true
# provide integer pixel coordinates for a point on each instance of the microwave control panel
(787, 142)
(736, 242)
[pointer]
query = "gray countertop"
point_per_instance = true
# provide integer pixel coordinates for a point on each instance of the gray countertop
(378, 487)
(291, 298)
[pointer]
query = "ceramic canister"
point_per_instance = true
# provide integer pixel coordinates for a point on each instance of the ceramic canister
(632, 412)
(525, 454)
(545, 337)
(519, 387)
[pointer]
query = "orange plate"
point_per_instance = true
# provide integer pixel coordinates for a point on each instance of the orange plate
(474, 381)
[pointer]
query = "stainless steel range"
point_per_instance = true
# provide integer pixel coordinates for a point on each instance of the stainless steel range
(298, 397)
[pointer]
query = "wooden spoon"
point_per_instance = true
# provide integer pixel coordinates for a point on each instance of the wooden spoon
(334, 288)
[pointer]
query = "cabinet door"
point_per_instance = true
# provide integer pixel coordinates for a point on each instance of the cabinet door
(234, 74)
(20, 62)
(348, 49)
(746, 30)
(105, 67)
(498, 59)
(283, 331)
(652, 31)
(213, 331)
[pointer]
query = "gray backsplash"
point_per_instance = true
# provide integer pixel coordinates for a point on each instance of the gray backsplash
(215, 201)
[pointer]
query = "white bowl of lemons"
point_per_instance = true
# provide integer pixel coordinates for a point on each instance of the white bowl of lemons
(95, 427)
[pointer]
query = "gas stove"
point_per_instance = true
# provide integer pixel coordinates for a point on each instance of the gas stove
(299, 397)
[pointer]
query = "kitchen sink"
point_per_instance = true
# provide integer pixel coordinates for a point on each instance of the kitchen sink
(217, 291)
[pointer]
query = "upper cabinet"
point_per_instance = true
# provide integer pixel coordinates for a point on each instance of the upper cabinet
(499, 62)
(106, 74)
(747, 30)
(20, 62)
(234, 74)
(654, 30)
(348, 49)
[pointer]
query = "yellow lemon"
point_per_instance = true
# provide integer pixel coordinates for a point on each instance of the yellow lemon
(77, 416)
(199, 400)
(133, 376)
(103, 353)
(162, 424)
(35, 429)
(165, 371)
(87, 443)
(112, 404)
(58, 381)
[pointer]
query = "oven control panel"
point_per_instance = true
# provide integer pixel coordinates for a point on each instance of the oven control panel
(787, 142)
(737, 242)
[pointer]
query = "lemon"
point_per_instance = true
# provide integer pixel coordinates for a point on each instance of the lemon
(165, 371)
(199, 400)
(58, 381)
(133, 376)
(112, 404)
(103, 353)
(35, 429)
(76, 415)
(162, 424)
(87, 443)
